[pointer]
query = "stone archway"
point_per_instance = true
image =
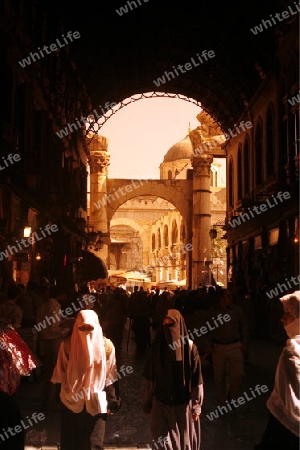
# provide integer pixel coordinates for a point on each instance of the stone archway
(176, 192)
(191, 197)
(144, 238)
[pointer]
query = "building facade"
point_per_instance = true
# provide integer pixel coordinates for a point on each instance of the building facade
(262, 221)
(46, 184)
(149, 233)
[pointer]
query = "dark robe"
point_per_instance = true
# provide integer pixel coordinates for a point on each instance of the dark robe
(173, 387)
(10, 416)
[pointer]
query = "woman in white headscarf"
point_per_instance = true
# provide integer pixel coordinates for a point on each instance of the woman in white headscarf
(283, 428)
(85, 367)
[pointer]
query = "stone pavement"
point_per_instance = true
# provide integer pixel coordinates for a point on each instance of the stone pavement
(129, 428)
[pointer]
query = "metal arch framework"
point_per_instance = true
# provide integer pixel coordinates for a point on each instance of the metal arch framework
(95, 126)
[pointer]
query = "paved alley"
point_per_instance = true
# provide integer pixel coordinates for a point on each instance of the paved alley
(129, 428)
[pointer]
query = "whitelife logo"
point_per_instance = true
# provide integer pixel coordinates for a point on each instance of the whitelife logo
(187, 66)
(12, 431)
(12, 249)
(53, 47)
(160, 261)
(265, 24)
(237, 402)
(85, 391)
(124, 8)
(160, 443)
(50, 320)
(80, 123)
(238, 129)
(241, 126)
(275, 293)
(9, 160)
(259, 209)
(203, 330)
(292, 101)
(123, 190)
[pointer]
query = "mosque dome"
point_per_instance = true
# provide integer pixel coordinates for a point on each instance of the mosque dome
(181, 150)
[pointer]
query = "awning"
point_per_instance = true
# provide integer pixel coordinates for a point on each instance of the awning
(136, 276)
(171, 283)
(91, 267)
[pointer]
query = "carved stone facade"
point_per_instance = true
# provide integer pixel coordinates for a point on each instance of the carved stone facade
(190, 195)
(98, 161)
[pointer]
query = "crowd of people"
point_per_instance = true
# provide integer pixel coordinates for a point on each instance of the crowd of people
(79, 336)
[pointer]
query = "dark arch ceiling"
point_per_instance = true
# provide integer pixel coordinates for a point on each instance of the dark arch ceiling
(118, 56)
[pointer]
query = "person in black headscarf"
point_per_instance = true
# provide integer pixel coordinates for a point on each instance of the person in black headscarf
(173, 386)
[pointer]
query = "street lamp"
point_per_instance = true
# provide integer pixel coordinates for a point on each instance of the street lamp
(27, 232)
(94, 237)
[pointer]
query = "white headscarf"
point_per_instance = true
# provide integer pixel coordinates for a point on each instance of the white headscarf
(83, 373)
(284, 401)
(292, 304)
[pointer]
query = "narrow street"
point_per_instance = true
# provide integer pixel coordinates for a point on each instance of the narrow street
(129, 428)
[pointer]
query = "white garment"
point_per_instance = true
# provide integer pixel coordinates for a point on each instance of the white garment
(293, 328)
(284, 401)
(83, 368)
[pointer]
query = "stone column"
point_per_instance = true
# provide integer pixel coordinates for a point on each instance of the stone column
(201, 256)
(99, 162)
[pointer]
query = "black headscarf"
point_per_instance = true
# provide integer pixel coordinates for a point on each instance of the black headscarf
(169, 365)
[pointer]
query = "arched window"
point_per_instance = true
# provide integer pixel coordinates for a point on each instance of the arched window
(182, 232)
(240, 172)
(258, 154)
(169, 174)
(174, 232)
(153, 242)
(293, 121)
(166, 236)
(158, 239)
(283, 133)
(270, 140)
(230, 187)
(246, 167)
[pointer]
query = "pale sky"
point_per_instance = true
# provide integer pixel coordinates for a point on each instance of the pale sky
(141, 133)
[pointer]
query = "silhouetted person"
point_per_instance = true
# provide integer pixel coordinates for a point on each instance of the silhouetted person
(173, 386)
(11, 313)
(50, 337)
(139, 311)
(154, 300)
(164, 303)
(116, 317)
(228, 344)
